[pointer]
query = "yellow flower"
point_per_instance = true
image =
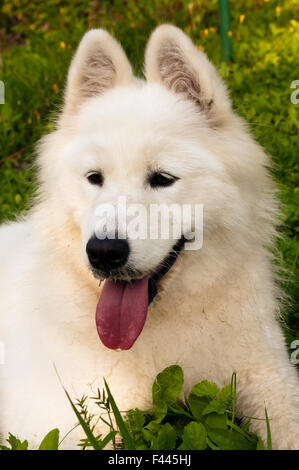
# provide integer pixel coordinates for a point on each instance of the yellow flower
(18, 198)
(55, 88)
(278, 10)
(230, 33)
(206, 32)
(291, 29)
(242, 18)
(200, 47)
(212, 29)
(62, 44)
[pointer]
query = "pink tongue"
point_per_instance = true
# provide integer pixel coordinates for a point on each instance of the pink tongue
(121, 312)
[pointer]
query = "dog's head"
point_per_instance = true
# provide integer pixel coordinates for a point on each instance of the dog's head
(128, 146)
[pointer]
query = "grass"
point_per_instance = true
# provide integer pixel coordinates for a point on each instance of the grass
(206, 420)
(39, 38)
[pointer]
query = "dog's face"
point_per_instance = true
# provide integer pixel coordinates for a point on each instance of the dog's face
(146, 142)
(140, 145)
(126, 141)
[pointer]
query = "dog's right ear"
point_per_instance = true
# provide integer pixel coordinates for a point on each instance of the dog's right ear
(100, 63)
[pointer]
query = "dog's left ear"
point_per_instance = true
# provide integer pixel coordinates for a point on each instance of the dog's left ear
(173, 60)
(99, 64)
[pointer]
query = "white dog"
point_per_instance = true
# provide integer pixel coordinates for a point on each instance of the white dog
(171, 139)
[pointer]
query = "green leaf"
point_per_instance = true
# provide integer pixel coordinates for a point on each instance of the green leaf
(224, 438)
(15, 443)
(166, 389)
(226, 395)
(205, 389)
(50, 441)
(165, 439)
(217, 429)
(136, 419)
(216, 406)
(243, 431)
(260, 444)
(123, 428)
(153, 427)
(197, 405)
(23, 446)
(179, 423)
(216, 422)
(148, 436)
(239, 442)
(150, 431)
(194, 437)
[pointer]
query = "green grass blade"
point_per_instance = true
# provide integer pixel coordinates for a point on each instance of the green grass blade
(233, 385)
(240, 431)
(123, 428)
(212, 445)
(269, 437)
(108, 438)
(89, 434)
(260, 444)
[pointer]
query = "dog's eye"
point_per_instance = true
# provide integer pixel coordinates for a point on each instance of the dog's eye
(96, 178)
(157, 180)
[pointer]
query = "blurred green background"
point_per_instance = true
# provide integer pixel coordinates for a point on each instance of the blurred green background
(37, 40)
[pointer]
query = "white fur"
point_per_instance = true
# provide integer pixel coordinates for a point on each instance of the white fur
(217, 308)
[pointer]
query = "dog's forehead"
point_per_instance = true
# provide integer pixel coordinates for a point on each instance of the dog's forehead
(139, 126)
(143, 109)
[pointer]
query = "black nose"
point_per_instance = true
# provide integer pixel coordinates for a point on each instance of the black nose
(107, 254)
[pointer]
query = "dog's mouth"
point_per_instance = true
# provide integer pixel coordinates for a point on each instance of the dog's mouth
(122, 308)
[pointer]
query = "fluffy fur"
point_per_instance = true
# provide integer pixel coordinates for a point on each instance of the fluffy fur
(217, 309)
